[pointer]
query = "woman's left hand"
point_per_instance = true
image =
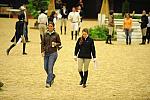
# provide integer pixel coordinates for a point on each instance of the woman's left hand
(94, 59)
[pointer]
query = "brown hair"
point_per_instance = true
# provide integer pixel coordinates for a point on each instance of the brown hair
(52, 23)
(82, 39)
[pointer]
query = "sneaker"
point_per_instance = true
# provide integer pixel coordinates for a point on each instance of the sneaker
(47, 85)
(84, 85)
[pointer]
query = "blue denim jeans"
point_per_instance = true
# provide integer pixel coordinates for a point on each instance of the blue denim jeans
(128, 36)
(49, 61)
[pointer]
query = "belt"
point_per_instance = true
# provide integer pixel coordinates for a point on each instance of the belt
(74, 22)
(43, 23)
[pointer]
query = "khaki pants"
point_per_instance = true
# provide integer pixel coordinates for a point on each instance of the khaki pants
(42, 28)
(75, 26)
(144, 31)
(84, 61)
(63, 22)
(110, 30)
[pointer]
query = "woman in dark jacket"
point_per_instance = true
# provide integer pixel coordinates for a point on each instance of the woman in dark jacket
(83, 50)
(49, 46)
(19, 34)
(144, 22)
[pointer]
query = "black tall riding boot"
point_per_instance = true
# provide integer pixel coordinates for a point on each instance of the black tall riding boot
(24, 48)
(81, 75)
(85, 78)
(41, 37)
(148, 40)
(110, 38)
(65, 29)
(8, 50)
(79, 30)
(71, 35)
(61, 29)
(142, 41)
(76, 32)
(107, 39)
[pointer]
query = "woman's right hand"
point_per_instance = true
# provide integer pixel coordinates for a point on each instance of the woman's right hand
(43, 54)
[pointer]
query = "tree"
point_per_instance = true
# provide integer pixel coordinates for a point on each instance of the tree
(35, 6)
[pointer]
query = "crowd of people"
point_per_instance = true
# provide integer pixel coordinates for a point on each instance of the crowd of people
(84, 49)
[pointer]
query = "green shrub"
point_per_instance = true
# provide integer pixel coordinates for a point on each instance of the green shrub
(100, 33)
(118, 17)
(136, 17)
(35, 6)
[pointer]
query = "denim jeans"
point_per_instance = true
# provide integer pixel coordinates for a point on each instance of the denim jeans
(128, 36)
(49, 61)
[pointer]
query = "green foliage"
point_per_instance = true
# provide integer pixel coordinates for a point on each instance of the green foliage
(100, 33)
(118, 17)
(35, 6)
(136, 17)
(121, 17)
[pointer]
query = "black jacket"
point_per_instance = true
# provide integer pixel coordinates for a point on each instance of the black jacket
(62, 13)
(20, 30)
(86, 49)
(46, 44)
(144, 21)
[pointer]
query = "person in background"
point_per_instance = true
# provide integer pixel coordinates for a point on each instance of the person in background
(110, 27)
(148, 29)
(53, 18)
(127, 26)
(74, 17)
(43, 22)
(81, 16)
(19, 34)
(49, 45)
(84, 51)
(24, 11)
(64, 13)
(144, 22)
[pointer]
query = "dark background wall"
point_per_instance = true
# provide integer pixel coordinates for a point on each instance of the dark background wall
(14, 3)
(137, 5)
(92, 7)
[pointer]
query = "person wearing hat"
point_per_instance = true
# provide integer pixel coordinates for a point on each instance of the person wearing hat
(19, 34)
(23, 10)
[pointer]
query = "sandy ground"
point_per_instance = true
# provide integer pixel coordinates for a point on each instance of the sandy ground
(122, 73)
